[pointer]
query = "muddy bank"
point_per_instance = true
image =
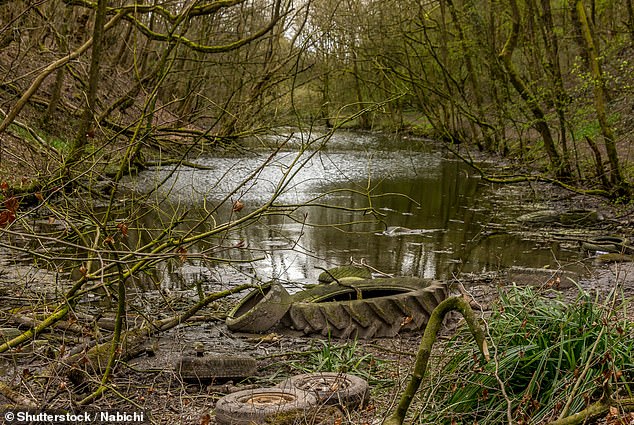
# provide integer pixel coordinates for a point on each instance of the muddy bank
(150, 380)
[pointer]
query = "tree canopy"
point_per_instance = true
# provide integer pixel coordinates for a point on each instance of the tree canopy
(543, 81)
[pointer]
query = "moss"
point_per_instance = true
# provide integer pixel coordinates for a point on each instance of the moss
(614, 258)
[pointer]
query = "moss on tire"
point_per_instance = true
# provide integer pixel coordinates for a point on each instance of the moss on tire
(386, 307)
(343, 272)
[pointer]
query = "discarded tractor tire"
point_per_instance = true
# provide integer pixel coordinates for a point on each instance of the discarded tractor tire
(259, 310)
(263, 406)
(330, 388)
(367, 309)
(215, 367)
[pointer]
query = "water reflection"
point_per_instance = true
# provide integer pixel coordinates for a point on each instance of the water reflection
(433, 211)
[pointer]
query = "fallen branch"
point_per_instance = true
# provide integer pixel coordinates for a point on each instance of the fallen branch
(424, 351)
(133, 340)
(32, 322)
(30, 334)
(165, 162)
(596, 410)
(15, 396)
(522, 178)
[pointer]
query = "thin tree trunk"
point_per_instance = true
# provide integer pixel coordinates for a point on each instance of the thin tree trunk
(444, 62)
(63, 44)
(580, 20)
(516, 80)
(122, 55)
(145, 52)
(560, 97)
(471, 74)
(630, 21)
(81, 139)
(598, 162)
(363, 117)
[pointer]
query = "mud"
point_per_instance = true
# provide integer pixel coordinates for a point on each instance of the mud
(150, 381)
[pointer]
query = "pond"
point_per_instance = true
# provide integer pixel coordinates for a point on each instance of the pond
(434, 217)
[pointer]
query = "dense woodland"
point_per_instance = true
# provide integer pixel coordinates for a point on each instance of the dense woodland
(93, 92)
(548, 83)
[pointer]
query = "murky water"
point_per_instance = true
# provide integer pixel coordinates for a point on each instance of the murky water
(433, 216)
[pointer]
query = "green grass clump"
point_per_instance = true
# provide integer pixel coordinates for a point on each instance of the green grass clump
(345, 357)
(549, 353)
(331, 357)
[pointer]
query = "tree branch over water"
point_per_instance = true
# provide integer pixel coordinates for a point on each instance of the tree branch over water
(522, 178)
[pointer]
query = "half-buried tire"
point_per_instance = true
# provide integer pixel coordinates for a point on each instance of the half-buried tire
(331, 388)
(367, 309)
(259, 310)
(263, 406)
(215, 368)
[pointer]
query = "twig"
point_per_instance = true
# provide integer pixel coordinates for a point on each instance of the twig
(509, 405)
(328, 273)
(136, 337)
(15, 396)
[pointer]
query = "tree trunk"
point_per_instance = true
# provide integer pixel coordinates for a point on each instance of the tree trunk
(122, 55)
(553, 67)
(363, 117)
(580, 20)
(471, 75)
(64, 48)
(86, 123)
(516, 80)
(630, 20)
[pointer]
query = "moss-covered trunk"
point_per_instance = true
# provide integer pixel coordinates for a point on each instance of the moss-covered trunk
(580, 19)
(540, 124)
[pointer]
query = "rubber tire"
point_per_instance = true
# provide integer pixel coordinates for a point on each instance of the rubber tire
(331, 388)
(259, 310)
(614, 244)
(215, 367)
(381, 316)
(275, 405)
(342, 272)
